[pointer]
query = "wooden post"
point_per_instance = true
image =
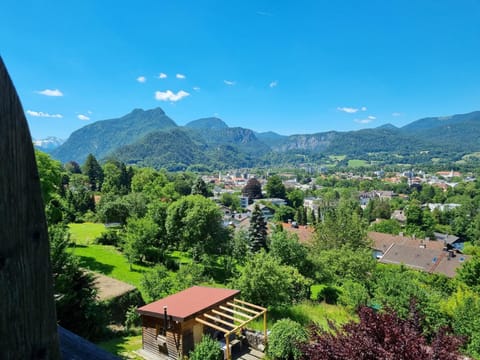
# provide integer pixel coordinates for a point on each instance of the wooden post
(265, 327)
(227, 344)
(28, 324)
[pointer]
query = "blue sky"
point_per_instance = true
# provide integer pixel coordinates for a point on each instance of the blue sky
(286, 66)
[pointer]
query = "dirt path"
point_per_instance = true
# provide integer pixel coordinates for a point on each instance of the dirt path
(109, 287)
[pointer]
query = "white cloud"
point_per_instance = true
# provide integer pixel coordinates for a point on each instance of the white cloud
(141, 79)
(363, 108)
(90, 112)
(369, 119)
(229, 82)
(196, 88)
(42, 114)
(396, 114)
(348, 110)
(83, 117)
(180, 76)
(49, 92)
(162, 76)
(264, 13)
(273, 84)
(170, 96)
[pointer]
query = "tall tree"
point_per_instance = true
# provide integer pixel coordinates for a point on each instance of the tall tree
(199, 187)
(275, 187)
(263, 275)
(341, 226)
(253, 189)
(116, 178)
(142, 241)
(295, 198)
(72, 167)
(257, 232)
(94, 171)
(195, 223)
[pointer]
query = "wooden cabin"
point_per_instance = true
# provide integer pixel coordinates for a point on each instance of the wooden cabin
(172, 326)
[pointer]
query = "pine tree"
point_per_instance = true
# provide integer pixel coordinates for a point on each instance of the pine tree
(94, 171)
(299, 216)
(257, 233)
(313, 219)
(304, 215)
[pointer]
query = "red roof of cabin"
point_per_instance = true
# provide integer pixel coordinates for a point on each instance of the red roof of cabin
(188, 302)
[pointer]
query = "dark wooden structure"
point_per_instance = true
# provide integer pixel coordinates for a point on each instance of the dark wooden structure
(171, 327)
(28, 322)
(28, 328)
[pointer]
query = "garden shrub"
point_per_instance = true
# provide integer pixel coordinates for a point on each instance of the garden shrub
(285, 340)
(207, 349)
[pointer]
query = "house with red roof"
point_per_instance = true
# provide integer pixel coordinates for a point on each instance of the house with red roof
(172, 326)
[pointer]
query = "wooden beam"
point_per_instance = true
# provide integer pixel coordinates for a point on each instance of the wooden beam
(227, 316)
(254, 312)
(220, 320)
(236, 312)
(250, 304)
(216, 327)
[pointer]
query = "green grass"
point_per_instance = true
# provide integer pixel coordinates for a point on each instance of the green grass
(123, 346)
(109, 261)
(337, 157)
(305, 313)
(180, 256)
(85, 233)
(357, 163)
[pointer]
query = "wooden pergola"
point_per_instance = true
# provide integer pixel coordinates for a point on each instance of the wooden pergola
(232, 317)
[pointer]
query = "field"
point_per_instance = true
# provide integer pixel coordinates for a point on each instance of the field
(109, 261)
(357, 163)
(104, 259)
(337, 157)
(85, 233)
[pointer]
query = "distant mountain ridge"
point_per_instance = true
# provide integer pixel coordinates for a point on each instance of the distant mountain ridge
(48, 144)
(207, 123)
(102, 137)
(151, 138)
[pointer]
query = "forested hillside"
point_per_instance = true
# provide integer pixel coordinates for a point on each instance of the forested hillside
(137, 138)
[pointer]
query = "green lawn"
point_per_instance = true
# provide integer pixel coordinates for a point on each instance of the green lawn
(85, 233)
(305, 313)
(109, 261)
(357, 163)
(123, 346)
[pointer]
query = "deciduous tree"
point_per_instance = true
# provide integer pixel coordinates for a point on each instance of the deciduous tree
(263, 275)
(379, 335)
(253, 189)
(275, 188)
(194, 223)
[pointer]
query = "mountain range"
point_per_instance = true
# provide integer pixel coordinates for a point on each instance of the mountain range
(151, 138)
(48, 144)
